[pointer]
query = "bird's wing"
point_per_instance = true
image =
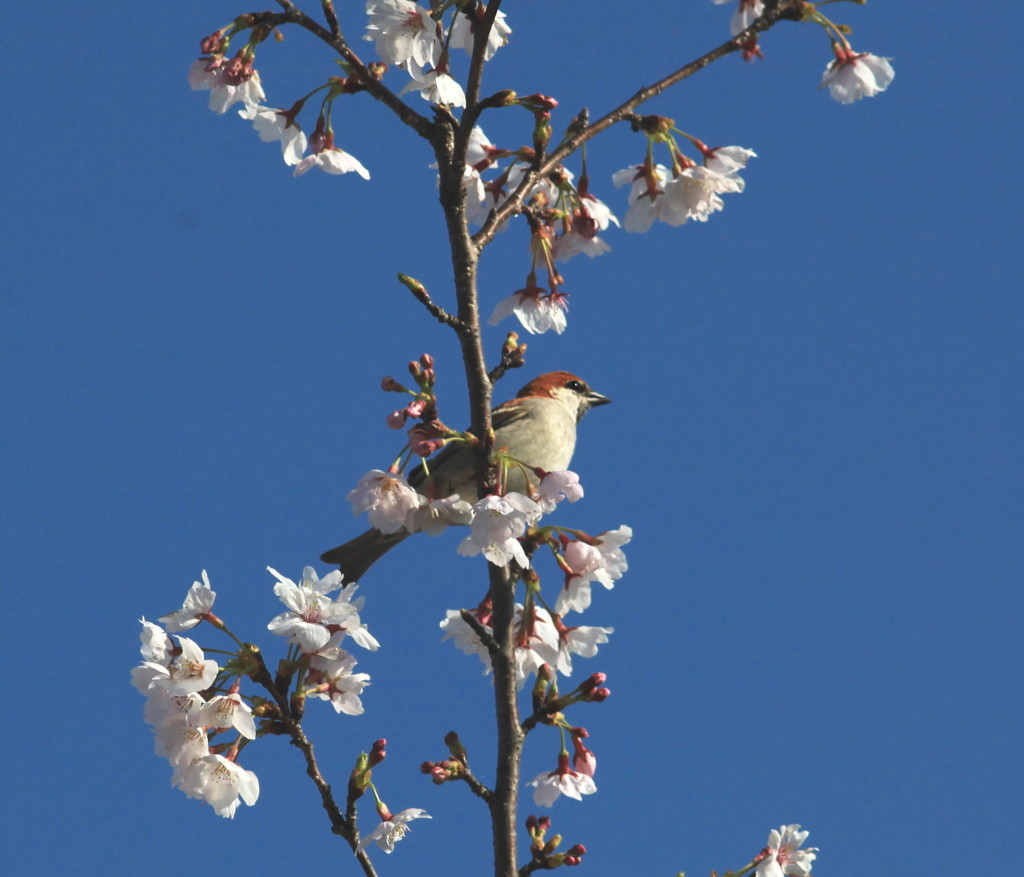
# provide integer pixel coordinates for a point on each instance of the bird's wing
(506, 413)
(417, 476)
(501, 416)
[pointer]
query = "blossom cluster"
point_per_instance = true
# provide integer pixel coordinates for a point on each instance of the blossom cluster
(849, 76)
(411, 37)
(566, 219)
(175, 681)
(190, 699)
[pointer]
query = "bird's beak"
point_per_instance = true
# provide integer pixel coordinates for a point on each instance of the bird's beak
(597, 399)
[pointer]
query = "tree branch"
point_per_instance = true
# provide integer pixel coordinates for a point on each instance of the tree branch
(421, 294)
(340, 826)
(775, 11)
(293, 15)
(503, 804)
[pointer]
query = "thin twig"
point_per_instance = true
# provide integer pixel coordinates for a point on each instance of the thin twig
(340, 826)
(374, 87)
(421, 294)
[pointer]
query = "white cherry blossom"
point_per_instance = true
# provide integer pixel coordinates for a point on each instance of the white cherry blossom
(582, 641)
(436, 516)
(647, 202)
(224, 94)
(536, 311)
(198, 601)
(331, 160)
(728, 160)
(387, 499)
(695, 190)
(498, 522)
(852, 76)
(603, 563)
(438, 87)
(466, 639)
(156, 644)
(188, 672)
(342, 687)
(223, 712)
(180, 741)
(783, 856)
(275, 125)
(392, 830)
(556, 486)
(311, 610)
(402, 32)
(548, 786)
(221, 783)
(746, 12)
(462, 34)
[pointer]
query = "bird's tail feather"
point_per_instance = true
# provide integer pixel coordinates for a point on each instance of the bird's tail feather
(357, 555)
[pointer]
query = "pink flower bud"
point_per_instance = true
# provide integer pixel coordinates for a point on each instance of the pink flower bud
(396, 419)
(390, 385)
(415, 409)
(209, 45)
(584, 761)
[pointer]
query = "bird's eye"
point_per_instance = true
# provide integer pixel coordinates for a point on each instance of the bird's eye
(576, 386)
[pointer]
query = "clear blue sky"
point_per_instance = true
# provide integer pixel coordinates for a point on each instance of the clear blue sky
(815, 436)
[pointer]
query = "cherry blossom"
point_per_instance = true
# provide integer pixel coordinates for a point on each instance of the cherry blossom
(225, 711)
(436, 516)
(728, 160)
(498, 522)
(276, 125)
(604, 563)
(647, 201)
(743, 17)
(582, 641)
(180, 741)
(226, 89)
(548, 786)
(782, 856)
(221, 783)
(188, 672)
(438, 87)
(156, 644)
(198, 602)
(402, 32)
(592, 216)
(556, 486)
(312, 611)
(392, 830)
(331, 160)
(387, 499)
(462, 34)
(695, 190)
(853, 75)
(535, 310)
(479, 149)
(337, 682)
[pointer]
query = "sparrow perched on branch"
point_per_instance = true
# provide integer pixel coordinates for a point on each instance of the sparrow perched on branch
(538, 428)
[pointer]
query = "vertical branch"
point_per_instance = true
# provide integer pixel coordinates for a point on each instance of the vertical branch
(504, 802)
(464, 255)
(465, 261)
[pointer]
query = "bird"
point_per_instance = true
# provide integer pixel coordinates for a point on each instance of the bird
(538, 427)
